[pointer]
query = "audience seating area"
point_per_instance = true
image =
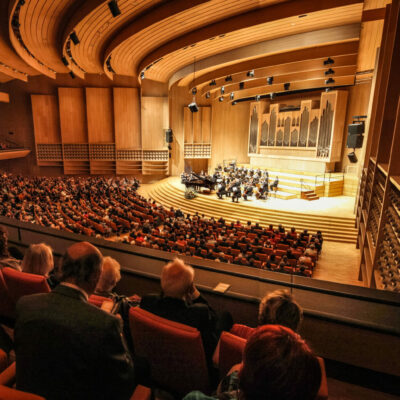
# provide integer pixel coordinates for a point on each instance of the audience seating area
(112, 209)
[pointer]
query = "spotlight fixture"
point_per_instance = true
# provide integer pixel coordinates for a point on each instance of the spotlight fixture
(142, 75)
(228, 78)
(222, 89)
(258, 97)
(208, 95)
(270, 80)
(72, 75)
(193, 107)
(113, 6)
(286, 86)
(221, 99)
(108, 64)
(272, 96)
(74, 37)
(329, 61)
(234, 103)
(330, 80)
(232, 96)
(21, 2)
(213, 83)
(64, 61)
(328, 89)
(241, 85)
(250, 74)
(194, 91)
(329, 71)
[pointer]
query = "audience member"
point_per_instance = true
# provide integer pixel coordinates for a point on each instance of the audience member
(277, 364)
(66, 348)
(38, 260)
(5, 259)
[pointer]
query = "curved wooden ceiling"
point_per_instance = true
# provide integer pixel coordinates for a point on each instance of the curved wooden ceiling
(159, 37)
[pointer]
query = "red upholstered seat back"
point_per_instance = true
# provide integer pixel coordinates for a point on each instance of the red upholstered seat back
(98, 300)
(6, 303)
(22, 284)
(7, 393)
(231, 349)
(175, 352)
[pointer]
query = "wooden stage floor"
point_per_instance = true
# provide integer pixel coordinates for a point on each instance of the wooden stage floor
(339, 261)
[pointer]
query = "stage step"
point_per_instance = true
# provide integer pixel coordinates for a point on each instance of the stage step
(168, 193)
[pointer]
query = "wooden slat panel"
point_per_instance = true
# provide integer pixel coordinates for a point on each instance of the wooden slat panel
(197, 126)
(154, 121)
(370, 40)
(4, 97)
(188, 125)
(127, 118)
(206, 124)
(46, 121)
(72, 115)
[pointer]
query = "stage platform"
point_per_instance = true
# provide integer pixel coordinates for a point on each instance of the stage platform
(332, 215)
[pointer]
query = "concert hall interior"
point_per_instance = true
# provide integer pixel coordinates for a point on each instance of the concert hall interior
(256, 140)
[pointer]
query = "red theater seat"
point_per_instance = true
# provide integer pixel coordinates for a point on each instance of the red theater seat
(175, 352)
(231, 349)
(7, 393)
(98, 300)
(22, 284)
(6, 303)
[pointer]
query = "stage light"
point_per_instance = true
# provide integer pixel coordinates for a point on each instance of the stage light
(72, 75)
(272, 96)
(234, 103)
(64, 61)
(194, 91)
(221, 99)
(330, 71)
(258, 97)
(328, 89)
(352, 157)
(270, 79)
(213, 83)
(232, 96)
(228, 78)
(286, 86)
(113, 6)
(330, 80)
(241, 85)
(329, 61)
(250, 74)
(208, 95)
(222, 89)
(142, 75)
(74, 37)
(193, 107)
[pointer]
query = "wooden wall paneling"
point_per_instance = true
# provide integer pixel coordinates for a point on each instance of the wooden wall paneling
(197, 118)
(99, 109)
(206, 124)
(155, 119)
(229, 122)
(72, 115)
(4, 97)
(188, 125)
(46, 120)
(370, 40)
(127, 118)
(338, 126)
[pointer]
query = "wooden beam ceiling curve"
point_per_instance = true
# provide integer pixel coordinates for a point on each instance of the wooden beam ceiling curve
(241, 30)
(127, 54)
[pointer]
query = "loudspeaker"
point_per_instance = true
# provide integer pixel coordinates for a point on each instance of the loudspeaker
(74, 37)
(193, 107)
(352, 157)
(354, 141)
(113, 6)
(356, 129)
(169, 136)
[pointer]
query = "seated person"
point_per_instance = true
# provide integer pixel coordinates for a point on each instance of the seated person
(180, 301)
(277, 364)
(65, 347)
(5, 259)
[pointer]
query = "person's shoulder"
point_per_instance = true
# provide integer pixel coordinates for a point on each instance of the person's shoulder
(149, 299)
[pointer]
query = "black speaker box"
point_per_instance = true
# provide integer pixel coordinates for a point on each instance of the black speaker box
(354, 141)
(169, 136)
(356, 129)
(193, 107)
(352, 157)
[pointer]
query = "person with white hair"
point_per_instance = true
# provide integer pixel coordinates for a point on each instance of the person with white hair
(180, 301)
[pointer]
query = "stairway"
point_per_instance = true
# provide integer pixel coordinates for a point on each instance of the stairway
(309, 195)
(171, 194)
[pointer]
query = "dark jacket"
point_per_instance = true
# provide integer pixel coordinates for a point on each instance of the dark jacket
(68, 349)
(198, 315)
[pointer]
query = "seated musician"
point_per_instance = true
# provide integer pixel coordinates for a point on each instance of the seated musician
(236, 192)
(248, 190)
(274, 186)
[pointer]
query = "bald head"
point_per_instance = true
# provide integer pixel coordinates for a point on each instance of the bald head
(176, 279)
(81, 265)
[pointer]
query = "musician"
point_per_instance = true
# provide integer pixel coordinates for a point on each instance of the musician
(274, 186)
(221, 189)
(248, 190)
(236, 192)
